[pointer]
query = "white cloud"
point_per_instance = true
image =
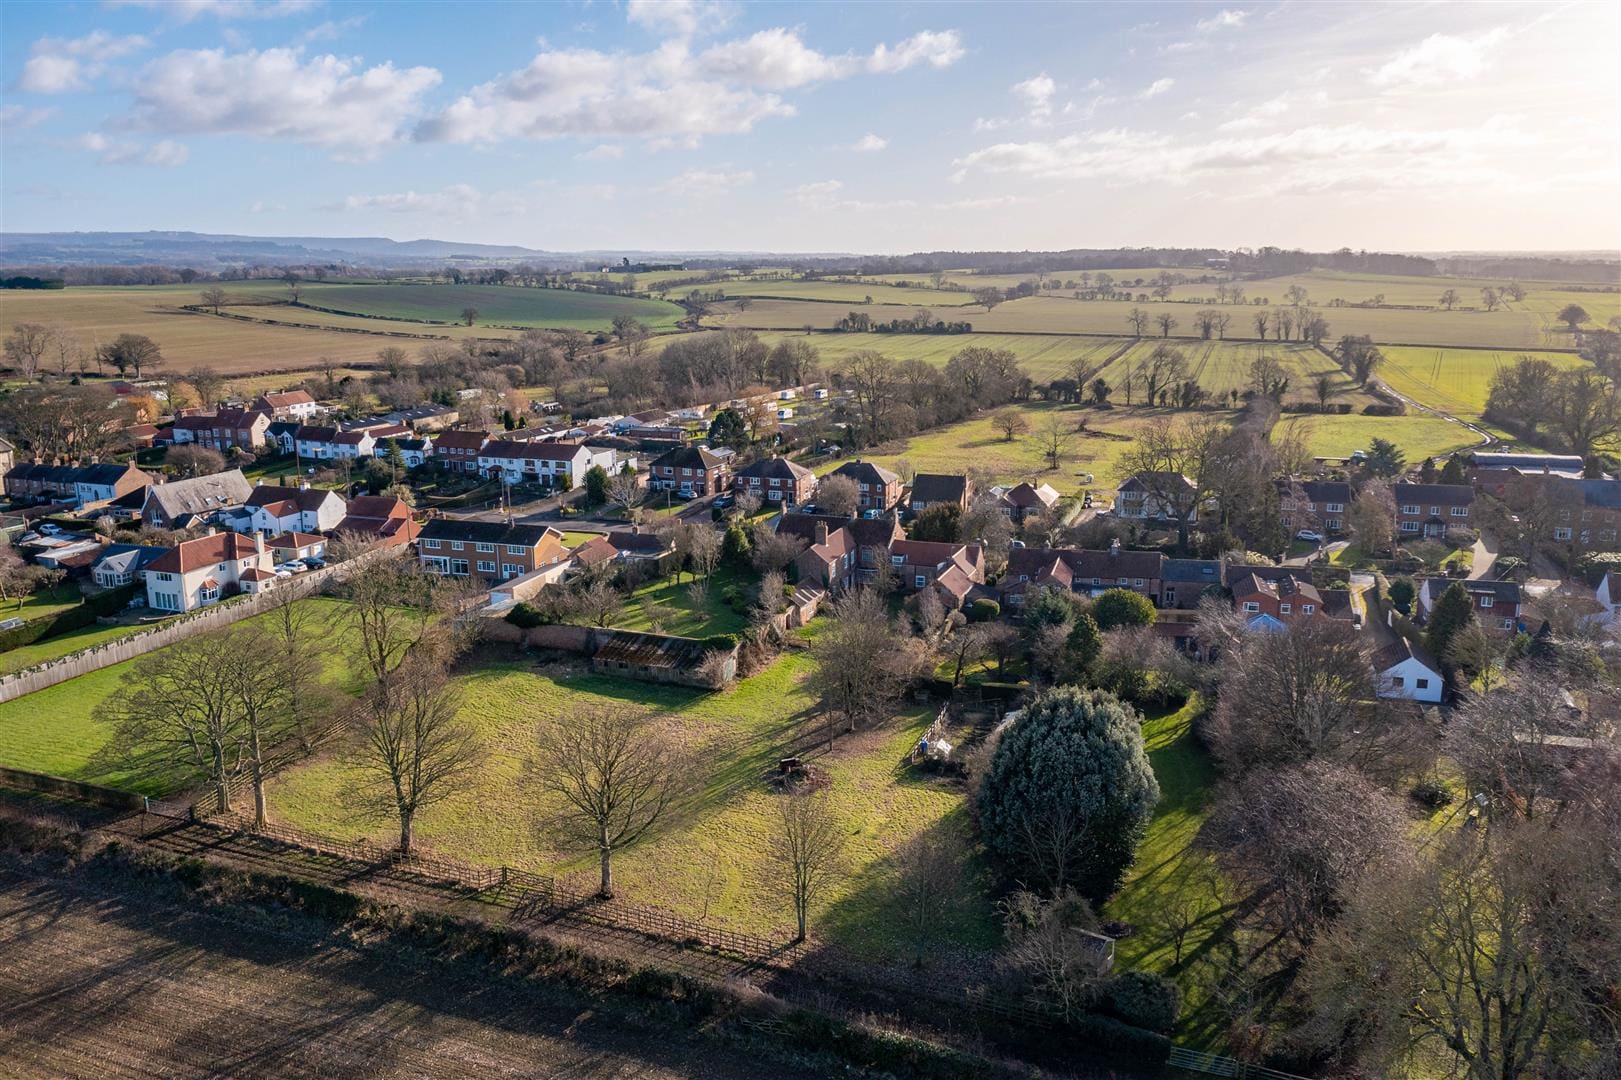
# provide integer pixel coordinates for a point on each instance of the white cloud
(1222, 20)
(670, 94)
(457, 202)
(187, 10)
(604, 152)
(277, 94)
(262, 207)
(165, 153)
(61, 65)
(1037, 94)
(1258, 115)
(817, 193)
(683, 17)
(701, 183)
(330, 30)
(1438, 59)
(16, 117)
(1156, 88)
(870, 143)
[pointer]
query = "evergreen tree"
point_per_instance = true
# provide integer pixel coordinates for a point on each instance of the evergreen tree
(1453, 613)
(1455, 471)
(1122, 607)
(941, 522)
(729, 429)
(596, 485)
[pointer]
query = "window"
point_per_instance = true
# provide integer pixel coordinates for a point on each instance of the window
(456, 545)
(1284, 609)
(1422, 684)
(897, 560)
(1435, 511)
(511, 570)
(1487, 601)
(919, 581)
(208, 592)
(1170, 596)
(1137, 583)
(1398, 681)
(165, 577)
(1412, 526)
(487, 548)
(1288, 521)
(1334, 508)
(486, 566)
(1121, 581)
(516, 549)
(1251, 606)
(1309, 609)
(1409, 508)
(458, 567)
(1508, 624)
(1460, 511)
(1561, 534)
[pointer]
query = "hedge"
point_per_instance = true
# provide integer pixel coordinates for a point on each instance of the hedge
(1117, 1039)
(108, 603)
(1384, 410)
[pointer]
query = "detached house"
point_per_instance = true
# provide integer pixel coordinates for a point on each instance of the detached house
(776, 480)
(933, 489)
(1405, 670)
(876, 488)
(952, 569)
(693, 471)
(199, 572)
(492, 550)
(180, 504)
(871, 537)
(1275, 603)
(1155, 497)
(379, 518)
(1318, 505)
(276, 510)
(289, 405)
(1023, 499)
(1431, 509)
(1496, 604)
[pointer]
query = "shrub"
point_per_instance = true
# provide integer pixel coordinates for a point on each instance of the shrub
(1461, 536)
(984, 610)
(1433, 793)
(1122, 607)
(1144, 999)
(1075, 757)
(726, 642)
(1383, 410)
(1402, 594)
(1120, 1040)
(524, 616)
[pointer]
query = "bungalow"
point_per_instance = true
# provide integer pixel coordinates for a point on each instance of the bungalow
(1405, 670)
(1155, 497)
(954, 569)
(123, 564)
(459, 451)
(635, 545)
(273, 509)
(180, 504)
(1431, 509)
(97, 484)
(555, 464)
(385, 520)
(776, 480)
(295, 405)
(930, 489)
(692, 471)
(1317, 505)
(199, 572)
(492, 550)
(1496, 603)
(876, 488)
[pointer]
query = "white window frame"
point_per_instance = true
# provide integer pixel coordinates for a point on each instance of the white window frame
(431, 545)
(487, 549)
(517, 549)
(919, 580)
(486, 566)
(1251, 607)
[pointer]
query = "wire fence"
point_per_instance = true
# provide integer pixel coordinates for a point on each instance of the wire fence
(1210, 1064)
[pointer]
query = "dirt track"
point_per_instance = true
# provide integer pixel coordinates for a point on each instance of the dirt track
(115, 982)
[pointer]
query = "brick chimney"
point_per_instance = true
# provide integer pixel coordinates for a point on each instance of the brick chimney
(1114, 548)
(821, 533)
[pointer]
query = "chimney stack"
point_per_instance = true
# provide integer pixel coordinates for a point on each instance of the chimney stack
(1114, 548)
(259, 543)
(821, 533)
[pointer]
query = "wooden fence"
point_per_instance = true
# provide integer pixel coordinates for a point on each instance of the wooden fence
(63, 668)
(73, 789)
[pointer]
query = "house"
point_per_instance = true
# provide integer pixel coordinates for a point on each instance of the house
(1184, 582)
(199, 572)
(126, 507)
(68, 553)
(876, 488)
(595, 552)
(693, 471)
(634, 544)
(234, 427)
(282, 435)
(1497, 604)
(458, 450)
(1430, 509)
(1317, 505)
(831, 562)
(424, 417)
(1587, 515)
(492, 550)
(380, 518)
(872, 536)
(1023, 499)
(953, 569)
(8, 455)
(296, 405)
(192, 428)
(776, 480)
(354, 445)
(180, 504)
(296, 545)
(931, 489)
(315, 442)
(56, 483)
(272, 509)
(137, 436)
(415, 449)
(97, 484)
(555, 464)
(123, 564)
(1405, 670)
(1277, 602)
(1083, 571)
(1155, 497)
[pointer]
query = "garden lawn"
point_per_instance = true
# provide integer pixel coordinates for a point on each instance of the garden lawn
(42, 604)
(54, 731)
(713, 861)
(714, 616)
(26, 656)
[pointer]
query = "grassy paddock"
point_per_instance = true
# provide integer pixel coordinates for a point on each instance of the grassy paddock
(1455, 380)
(497, 304)
(1420, 435)
(714, 860)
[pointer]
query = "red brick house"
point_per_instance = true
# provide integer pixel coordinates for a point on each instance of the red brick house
(1430, 509)
(1497, 604)
(1318, 505)
(952, 568)
(1083, 571)
(776, 480)
(694, 471)
(876, 488)
(831, 562)
(1286, 599)
(386, 520)
(458, 450)
(932, 489)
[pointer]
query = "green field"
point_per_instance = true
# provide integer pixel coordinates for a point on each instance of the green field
(838, 292)
(498, 305)
(52, 730)
(714, 860)
(714, 616)
(27, 656)
(1454, 380)
(1420, 435)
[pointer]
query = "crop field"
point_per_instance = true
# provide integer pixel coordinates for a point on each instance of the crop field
(124, 978)
(1454, 380)
(287, 315)
(54, 731)
(1506, 329)
(1420, 435)
(189, 339)
(837, 292)
(498, 305)
(714, 859)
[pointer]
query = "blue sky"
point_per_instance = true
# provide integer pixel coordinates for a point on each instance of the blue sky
(820, 127)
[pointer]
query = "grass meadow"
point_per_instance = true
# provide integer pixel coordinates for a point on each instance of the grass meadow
(499, 305)
(1454, 380)
(1420, 435)
(836, 292)
(713, 860)
(54, 730)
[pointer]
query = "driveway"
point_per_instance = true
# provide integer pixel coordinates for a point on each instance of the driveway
(1485, 556)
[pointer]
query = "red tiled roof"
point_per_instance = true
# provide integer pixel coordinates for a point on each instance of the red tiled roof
(204, 551)
(295, 540)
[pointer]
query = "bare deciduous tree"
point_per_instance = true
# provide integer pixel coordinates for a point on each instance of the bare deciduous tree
(809, 851)
(1011, 423)
(612, 777)
(837, 496)
(864, 661)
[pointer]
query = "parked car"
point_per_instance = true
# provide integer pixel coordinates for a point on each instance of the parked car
(295, 565)
(1309, 534)
(50, 530)
(723, 501)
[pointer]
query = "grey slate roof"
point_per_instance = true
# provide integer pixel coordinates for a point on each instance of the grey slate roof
(199, 494)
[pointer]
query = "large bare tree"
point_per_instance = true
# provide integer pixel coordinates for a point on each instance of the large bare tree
(611, 775)
(808, 849)
(864, 661)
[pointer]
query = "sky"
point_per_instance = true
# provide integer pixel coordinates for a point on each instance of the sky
(874, 127)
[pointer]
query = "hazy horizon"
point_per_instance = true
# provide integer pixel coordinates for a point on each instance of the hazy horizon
(874, 129)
